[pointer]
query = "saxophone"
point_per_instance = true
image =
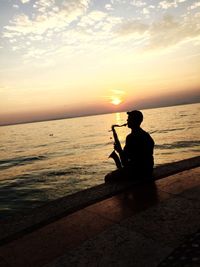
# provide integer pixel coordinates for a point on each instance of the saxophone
(114, 155)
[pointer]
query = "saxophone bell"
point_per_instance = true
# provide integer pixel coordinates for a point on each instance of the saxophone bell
(116, 158)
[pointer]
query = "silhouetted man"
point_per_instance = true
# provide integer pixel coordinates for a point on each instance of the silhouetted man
(137, 155)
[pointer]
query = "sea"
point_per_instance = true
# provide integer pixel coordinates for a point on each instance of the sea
(43, 161)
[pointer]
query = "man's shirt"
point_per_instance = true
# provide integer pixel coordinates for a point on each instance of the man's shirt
(138, 150)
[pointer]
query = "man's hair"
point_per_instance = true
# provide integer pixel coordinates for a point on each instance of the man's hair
(136, 115)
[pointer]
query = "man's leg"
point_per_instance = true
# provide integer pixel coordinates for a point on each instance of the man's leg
(114, 176)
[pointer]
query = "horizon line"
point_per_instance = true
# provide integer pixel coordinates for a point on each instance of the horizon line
(99, 113)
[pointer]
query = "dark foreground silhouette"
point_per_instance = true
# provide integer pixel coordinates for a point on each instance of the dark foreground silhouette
(135, 160)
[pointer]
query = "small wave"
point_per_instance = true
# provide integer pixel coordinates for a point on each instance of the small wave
(98, 145)
(36, 177)
(57, 173)
(179, 144)
(76, 170)
(170, 130)
(88, 125)
(8, 163)
(61, 142)
(91, 135)
(42, 145)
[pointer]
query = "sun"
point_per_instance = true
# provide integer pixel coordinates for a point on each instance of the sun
(116, 101)
(116, 97)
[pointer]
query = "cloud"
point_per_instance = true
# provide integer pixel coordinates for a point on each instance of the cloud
(71, 26)
(41, 28)
(163, 33)
(194, 5)
(92, 18)
(47, 17)
(16, 6)
(108, 7)
(117, 92)
(25, 1)
(145, 11)
(132, 27)
(169, 31)
(98, 24)
(138, 3)
(168, 4)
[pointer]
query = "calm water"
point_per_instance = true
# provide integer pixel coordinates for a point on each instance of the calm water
(47, 160)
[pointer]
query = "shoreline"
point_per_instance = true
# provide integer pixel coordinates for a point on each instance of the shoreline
(17, 225)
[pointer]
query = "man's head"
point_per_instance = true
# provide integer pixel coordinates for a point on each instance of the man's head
(135, 118)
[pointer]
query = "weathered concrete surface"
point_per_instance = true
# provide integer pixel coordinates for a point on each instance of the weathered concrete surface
(186, 255)
(14, 227)
(118, 246)
(147, 238)
(169, 222)
(139, 227)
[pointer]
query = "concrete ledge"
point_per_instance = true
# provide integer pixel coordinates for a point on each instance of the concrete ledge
(13, 228)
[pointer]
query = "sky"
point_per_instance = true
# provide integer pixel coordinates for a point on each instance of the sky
(63, 58)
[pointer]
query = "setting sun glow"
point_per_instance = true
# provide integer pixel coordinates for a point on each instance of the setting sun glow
(116, 101)
(64, 59)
